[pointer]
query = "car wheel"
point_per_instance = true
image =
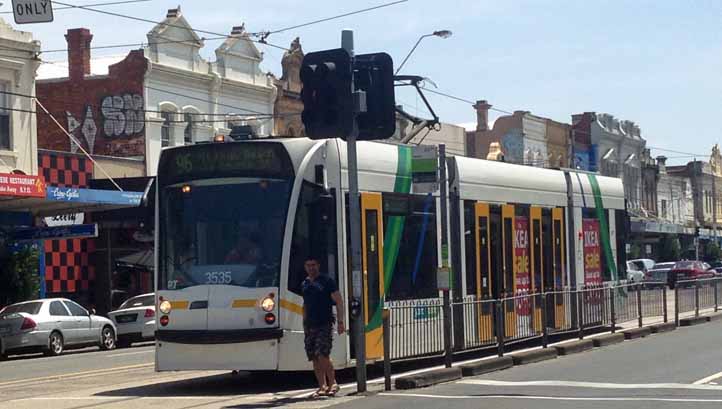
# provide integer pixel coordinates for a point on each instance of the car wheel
(107, 339)
(56, 344)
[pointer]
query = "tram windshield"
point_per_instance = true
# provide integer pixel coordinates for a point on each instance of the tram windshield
(226, 231)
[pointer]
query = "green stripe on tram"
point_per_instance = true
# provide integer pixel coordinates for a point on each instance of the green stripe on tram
(603, 226)
(393, 232)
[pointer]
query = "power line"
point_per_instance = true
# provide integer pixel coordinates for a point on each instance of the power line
(91, 5)
(265, 34)
(51, 98)
(145, 20)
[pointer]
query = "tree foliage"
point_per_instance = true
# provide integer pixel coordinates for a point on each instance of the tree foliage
(19, 275)
(670, 249)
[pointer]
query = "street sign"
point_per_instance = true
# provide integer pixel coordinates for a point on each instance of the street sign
(32, 11)
(424, 168)
(58, 232)
(65, 219)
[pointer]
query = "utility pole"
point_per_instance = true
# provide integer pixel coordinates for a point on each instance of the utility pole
(355, 225)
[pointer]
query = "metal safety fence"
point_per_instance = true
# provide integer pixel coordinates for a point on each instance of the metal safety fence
(416, 328)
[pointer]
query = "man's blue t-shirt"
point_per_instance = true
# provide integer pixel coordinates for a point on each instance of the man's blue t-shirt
(317, 301)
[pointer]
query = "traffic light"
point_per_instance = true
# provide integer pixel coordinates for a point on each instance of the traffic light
(328, 108)
(374, 74)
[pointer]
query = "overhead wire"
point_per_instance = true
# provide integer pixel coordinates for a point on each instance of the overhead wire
(112, 3)
(163, 23)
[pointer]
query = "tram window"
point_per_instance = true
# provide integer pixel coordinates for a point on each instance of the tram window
(558, 256)
(484, 255)
(547, 245)
(496, 251)
(410, 236)
(470, 247)
(314, 233)
(620, 220)
(508, 256)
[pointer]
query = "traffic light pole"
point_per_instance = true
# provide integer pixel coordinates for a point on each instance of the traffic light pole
(355, 224)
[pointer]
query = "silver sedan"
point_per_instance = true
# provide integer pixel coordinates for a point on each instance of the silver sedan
(50, 326)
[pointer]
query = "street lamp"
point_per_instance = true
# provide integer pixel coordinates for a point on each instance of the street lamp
(439, 33)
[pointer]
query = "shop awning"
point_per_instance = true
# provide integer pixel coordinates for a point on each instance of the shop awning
(25, 193)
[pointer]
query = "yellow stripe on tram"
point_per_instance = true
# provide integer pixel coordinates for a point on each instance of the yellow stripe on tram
(244, 303)
(179, 305)
(293, 307)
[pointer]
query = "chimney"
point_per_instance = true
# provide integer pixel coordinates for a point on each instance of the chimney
(173, 13)
(662, 164)
(78, 52)
(482, 115)
(238, 30)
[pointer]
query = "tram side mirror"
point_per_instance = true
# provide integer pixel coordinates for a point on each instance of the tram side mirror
(355, 306)
(325, 207)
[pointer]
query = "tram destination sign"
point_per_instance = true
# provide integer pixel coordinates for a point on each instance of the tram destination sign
(32, 11)
(261, 159)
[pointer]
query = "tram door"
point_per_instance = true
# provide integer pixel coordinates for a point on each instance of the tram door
(483, 270)
(558, 266)
(373, 272)
(537, 270)
(509, 269)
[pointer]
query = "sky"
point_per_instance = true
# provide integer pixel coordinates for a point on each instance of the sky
(657, 63)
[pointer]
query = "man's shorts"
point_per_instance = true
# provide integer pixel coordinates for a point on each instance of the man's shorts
(318, 341)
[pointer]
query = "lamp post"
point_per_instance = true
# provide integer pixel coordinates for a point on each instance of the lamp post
(438, 33)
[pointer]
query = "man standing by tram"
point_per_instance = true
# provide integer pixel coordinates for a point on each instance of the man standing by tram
(320, 293)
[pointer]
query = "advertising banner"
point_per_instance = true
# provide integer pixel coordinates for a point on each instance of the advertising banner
(21, 185)
(521, 261)
(592, 253)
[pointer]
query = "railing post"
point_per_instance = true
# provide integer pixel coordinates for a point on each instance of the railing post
(613, 307)
(639, 305)
(448, 356)
(664, 302)
(499, 322)
(545, 330)
(696, 298)
(676, 305)
(716, 296)
(580, 313)
(387, 348)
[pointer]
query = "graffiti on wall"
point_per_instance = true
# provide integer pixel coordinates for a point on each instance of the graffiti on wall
(87, 129)
(122, 115)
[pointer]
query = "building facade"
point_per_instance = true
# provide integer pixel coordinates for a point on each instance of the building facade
(18, 130)
(615, 148)
(288, 106)
(524, 138)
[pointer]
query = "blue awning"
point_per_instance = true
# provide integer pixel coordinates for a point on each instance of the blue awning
(62, 200)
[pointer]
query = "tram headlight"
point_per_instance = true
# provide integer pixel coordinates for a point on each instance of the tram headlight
(268, 304)
(164, 307)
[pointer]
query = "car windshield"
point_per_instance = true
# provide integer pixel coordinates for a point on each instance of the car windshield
(139, 301)
(31, 308)
(684, 264)
(223, 231)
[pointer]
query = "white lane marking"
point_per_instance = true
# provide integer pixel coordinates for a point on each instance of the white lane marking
(593, 385)
(131, 353)
(708, 379)
(567, 398)
(77, 375)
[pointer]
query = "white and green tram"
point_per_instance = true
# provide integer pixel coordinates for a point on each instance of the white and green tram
(235, 221)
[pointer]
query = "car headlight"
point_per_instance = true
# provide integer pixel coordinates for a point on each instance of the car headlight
(164, 307)
(268, 304)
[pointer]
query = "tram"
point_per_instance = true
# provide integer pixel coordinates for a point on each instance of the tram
(235, 220)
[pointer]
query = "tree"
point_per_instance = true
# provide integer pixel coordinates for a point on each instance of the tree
(635, 250)
(670, 249)
(712, 252)
(19, 275)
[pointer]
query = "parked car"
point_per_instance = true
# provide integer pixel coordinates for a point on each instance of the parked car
(135, 320)
(52, 325)
(689, 270)
(659, 273)
(636, 269)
